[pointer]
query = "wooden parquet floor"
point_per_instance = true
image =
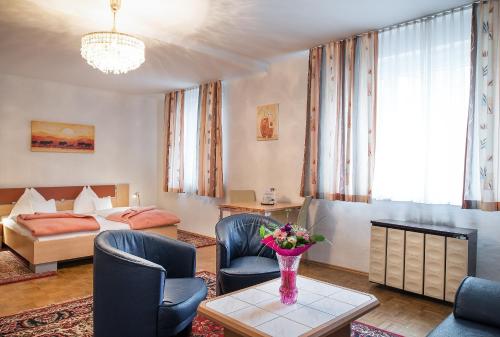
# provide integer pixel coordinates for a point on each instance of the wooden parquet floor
(399, 312)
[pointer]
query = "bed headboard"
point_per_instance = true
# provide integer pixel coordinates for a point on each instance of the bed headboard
(65, 195)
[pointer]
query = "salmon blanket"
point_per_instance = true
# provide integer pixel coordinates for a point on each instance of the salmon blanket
(144, 217)
(42, 224)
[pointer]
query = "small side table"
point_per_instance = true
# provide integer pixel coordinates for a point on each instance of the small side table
(322, 309)
(256, 207)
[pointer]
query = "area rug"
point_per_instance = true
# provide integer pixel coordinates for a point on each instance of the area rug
(196, 240)
(359, 329)
(74, 318)
(14, 269)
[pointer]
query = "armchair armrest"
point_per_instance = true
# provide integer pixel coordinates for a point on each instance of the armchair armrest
(223, 254)
(478, 300)
(119, 280)
(178, 258)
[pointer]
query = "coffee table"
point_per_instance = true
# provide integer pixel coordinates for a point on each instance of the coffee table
(322, 309)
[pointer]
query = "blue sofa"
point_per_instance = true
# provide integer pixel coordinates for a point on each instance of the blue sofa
(144, 285)
(476, 312)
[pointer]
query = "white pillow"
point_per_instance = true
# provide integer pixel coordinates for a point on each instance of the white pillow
(36, 196)
(102, 203)
(84, 202)
(46, 206)
(23, 205)
(91, 191)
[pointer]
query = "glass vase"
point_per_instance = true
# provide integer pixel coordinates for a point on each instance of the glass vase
(288, 268)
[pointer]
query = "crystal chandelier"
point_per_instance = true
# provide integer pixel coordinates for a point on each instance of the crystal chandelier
(112, 52)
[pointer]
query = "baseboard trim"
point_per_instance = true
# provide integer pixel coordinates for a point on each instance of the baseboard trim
(334, 267)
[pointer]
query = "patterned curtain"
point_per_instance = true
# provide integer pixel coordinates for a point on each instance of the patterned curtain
(340, 134)
(482, 165)
(210, 182)
(309, 184)
(174, 141)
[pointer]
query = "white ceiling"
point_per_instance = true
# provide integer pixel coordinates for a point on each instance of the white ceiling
(187, 41)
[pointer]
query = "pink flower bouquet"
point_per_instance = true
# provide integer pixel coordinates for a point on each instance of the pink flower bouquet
(288, 240)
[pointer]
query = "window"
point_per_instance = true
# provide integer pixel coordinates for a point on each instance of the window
(182, 139)
(191, 139)
(422, 103)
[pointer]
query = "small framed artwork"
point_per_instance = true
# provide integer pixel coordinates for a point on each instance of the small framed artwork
(268, 122)
(62, 137)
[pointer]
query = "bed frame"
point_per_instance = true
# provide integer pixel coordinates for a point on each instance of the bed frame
(44, 255)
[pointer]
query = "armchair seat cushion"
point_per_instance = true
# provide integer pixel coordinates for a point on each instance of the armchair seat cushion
(181, 298)
(455, 327)
(247, 271)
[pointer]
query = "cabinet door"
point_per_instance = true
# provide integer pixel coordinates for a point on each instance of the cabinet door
(456, 266)
(377, 254)
(395, 258)
(434, 266)
(414, 262)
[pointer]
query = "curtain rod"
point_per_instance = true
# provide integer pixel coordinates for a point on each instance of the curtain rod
(414, 21)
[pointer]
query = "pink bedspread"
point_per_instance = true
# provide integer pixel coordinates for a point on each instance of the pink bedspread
(42, 224)
(145, 217)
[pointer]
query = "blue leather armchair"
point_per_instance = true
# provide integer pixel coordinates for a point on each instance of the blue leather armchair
(242, 260)
(476, 312)
(144, 285)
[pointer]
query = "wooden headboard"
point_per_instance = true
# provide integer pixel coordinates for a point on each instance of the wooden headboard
(65, 195)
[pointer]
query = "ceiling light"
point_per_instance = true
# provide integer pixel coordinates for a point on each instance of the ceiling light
(113, 52)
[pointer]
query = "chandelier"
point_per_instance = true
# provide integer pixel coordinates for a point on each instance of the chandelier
(113, 52)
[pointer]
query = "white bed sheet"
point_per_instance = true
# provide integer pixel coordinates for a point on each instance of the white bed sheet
(105, 226)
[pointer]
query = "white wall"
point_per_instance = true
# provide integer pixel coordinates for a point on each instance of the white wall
(250, 164)
(125, 144)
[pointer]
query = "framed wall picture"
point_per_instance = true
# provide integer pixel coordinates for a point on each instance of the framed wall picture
(268, 122)
(62, 137)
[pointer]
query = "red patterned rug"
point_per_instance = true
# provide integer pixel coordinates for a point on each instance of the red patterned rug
(14, 269)
(196, 240)
(359, 329)
(74, 318)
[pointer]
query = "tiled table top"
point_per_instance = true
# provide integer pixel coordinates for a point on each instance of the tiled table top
(257, 311)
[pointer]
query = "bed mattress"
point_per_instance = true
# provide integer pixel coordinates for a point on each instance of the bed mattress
(100, 217)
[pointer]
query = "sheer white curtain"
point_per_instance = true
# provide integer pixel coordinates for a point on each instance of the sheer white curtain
(423, 88)
(191, 140)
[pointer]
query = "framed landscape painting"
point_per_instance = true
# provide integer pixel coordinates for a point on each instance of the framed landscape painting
(62, 137)
(267, 122)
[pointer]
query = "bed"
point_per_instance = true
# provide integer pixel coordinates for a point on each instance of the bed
(43, 253)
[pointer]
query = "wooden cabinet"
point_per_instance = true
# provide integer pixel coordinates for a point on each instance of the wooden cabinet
(414, 262)
(434, 266)
(456, 266)
(377, 254)
(395, 258)
(422, 258)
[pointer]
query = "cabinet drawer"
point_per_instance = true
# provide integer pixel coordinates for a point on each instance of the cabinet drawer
(434, 266)
(395, 258)
(377, 254)
(456, 266)
(414, 262)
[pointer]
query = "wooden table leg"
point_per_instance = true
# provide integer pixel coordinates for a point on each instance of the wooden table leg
(221, 213)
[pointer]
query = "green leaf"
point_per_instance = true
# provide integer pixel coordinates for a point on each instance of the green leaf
(318, 238)
(262, 231)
